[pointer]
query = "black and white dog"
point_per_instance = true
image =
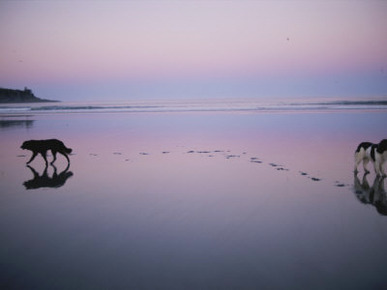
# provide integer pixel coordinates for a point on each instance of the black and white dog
(376, 153)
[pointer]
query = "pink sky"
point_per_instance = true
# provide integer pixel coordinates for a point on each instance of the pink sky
(127, 49)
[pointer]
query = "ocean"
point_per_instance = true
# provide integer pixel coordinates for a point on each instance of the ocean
(198, 194)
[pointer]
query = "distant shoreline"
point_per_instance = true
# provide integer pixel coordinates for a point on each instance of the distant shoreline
(10, 96)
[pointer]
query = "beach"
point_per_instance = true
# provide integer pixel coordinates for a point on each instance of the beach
(200, 199)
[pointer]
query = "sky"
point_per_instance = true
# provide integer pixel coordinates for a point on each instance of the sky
(118, 50)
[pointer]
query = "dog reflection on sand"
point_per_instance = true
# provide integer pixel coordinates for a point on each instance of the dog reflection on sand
(375, 195)
(45, 181)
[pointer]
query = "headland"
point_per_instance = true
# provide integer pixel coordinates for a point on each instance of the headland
(20, 96)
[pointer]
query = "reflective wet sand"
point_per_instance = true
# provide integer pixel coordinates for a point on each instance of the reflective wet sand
(193, 201)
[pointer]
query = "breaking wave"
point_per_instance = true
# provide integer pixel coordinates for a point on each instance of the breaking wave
(194, 106)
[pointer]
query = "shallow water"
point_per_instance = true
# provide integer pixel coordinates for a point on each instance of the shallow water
(193, 200)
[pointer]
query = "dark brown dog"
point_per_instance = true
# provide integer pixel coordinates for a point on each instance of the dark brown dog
(42, 146)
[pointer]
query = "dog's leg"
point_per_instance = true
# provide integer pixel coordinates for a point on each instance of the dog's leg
(365, 162)
(36, 175)
(54, 175)
(381, 169)
(383, 159)
(65, 155)
(54, 155)
(44, 153)
(377, 167)
(357, 162)
(45, 173)
(67, 168)
(379, 160)
(32, 157)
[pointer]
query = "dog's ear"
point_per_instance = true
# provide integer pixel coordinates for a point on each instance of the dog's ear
(382, 146)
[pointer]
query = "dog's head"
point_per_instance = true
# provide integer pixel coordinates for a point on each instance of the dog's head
(26, 145)
(382, 146)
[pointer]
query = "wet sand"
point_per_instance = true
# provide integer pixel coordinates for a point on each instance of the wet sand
(193, 201)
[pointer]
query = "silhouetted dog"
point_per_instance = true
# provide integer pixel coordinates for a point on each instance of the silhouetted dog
(42, 146)
(376, 153)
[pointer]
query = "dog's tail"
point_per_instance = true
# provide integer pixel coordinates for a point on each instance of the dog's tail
(68, 150)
